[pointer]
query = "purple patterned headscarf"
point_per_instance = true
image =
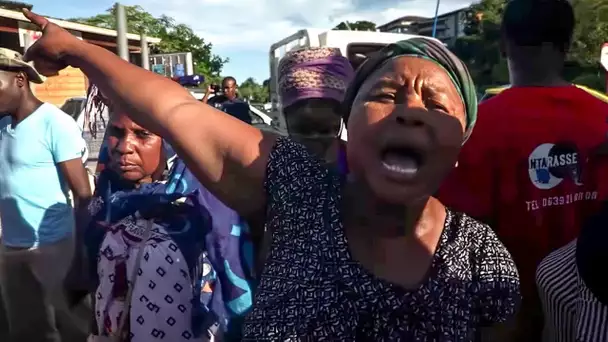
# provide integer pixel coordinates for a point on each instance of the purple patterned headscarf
(313, 73)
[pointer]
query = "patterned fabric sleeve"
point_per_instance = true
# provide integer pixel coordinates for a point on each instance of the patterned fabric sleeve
(498, 280)
(291, 168)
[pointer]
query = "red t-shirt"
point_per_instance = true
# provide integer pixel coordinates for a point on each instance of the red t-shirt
(528, 170)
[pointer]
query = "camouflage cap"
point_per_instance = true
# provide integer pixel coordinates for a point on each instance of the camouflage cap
(13, 61)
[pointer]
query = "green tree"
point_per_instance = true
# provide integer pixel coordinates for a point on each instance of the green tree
(361, 25)
(174, 37)
(14, 5)
(590, 32)
(254, 91)
(479, 48)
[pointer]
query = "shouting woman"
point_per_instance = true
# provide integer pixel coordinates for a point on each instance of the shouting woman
(369, 257)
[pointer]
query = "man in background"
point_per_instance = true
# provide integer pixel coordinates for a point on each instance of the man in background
(528, 169)
(40, 160)
(228, 100)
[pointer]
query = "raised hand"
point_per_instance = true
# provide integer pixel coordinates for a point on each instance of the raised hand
(49, 53)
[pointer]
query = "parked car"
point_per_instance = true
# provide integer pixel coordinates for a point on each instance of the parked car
(491, 92)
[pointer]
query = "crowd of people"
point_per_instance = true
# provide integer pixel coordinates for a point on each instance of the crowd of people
(441, 218)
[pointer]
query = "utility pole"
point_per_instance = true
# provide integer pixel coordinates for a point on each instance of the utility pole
(435, 21)
(122, 44)
(145, 57)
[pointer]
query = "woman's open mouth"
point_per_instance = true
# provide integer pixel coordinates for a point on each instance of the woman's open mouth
(402, 161)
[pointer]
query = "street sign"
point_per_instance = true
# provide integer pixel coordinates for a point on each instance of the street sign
(604, 56)
(172, 64)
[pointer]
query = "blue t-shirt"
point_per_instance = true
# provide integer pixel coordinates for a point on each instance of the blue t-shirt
(33, 195)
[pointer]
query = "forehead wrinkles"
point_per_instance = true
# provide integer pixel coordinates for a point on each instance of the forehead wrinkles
(384, 70)
(396, 69)
(121, 120)
(434, 76)
(405, 68)
(402, 69)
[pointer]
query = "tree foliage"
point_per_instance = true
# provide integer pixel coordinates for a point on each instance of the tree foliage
(254, 91)
(174, 37)
(361, 25)
(14, 5)
(479, 48)
(590, 32)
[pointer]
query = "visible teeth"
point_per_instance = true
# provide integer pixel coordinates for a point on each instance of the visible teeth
(400, 169)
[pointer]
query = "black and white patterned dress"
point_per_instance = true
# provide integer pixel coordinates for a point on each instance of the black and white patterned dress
(311, 289)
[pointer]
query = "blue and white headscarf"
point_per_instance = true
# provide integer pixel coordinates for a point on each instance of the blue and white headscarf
(222, 239)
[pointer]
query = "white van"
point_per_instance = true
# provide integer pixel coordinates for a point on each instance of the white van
(355, 45)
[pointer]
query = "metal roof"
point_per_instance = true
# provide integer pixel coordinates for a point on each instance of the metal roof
(407, 18)
(76, 26)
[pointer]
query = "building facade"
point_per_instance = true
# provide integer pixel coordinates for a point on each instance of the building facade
(405, 24)
(17, 33)
(450, 26)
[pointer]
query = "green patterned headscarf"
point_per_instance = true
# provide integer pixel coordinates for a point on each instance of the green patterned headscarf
(423, 48)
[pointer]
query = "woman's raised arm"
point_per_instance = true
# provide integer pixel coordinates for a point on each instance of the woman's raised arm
(227, 156)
